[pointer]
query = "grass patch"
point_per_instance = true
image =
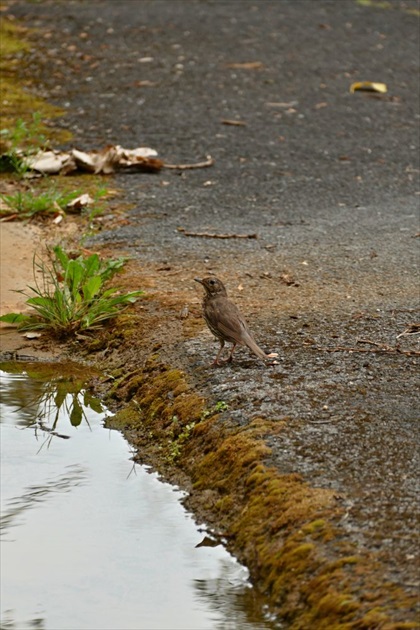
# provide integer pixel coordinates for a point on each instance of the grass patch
(27, 204)
(20, 141)
(73, 295)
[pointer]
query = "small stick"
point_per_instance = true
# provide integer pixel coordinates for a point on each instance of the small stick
(183, 167)
(383, 346)
(212, 235)
(409, 353)
(414, 329)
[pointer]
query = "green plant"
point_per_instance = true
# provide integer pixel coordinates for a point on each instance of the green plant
(217, 408)
(176, 444)
(73, 295)
(97, 207)
(27, 204)
(27, 136)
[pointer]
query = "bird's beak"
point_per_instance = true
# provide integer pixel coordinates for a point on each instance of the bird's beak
(198, 280)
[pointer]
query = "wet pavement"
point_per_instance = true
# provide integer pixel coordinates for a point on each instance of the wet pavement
(327, 180)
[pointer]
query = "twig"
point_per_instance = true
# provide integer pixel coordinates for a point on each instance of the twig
(183, 167)
(413, 329)
(213, 235)
(387, 349)
(382, 346)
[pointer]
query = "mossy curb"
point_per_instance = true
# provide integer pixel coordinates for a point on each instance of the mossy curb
(286, 532)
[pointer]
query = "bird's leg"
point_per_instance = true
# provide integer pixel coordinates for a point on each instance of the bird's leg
(230, 357)
(216, 361)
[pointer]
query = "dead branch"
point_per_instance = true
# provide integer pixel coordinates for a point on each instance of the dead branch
(183, 167)
(213, 235)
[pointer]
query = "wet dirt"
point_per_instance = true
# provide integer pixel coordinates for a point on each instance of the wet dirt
(326, 179)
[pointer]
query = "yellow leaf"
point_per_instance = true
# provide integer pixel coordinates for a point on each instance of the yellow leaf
(367, 86)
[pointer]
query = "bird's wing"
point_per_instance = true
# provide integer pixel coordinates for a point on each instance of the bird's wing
(228, 320)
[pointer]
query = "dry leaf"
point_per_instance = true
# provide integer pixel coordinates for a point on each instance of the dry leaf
(283, 105)
(144, 84)
(367, 86)
(248, 65)
(80, 202)
(106, 161)
(50, 162)
(234, 123)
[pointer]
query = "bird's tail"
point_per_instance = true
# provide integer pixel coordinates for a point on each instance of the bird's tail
(252, 345)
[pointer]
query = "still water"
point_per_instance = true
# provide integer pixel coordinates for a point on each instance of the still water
(91, 541)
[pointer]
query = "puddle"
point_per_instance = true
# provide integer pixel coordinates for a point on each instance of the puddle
(88, 539)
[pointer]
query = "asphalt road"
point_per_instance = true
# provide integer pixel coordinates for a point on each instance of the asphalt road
(326, 178)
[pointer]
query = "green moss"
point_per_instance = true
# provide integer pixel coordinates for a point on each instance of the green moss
(17, 98)
(162, 404)
(315, 527)
(12, 37)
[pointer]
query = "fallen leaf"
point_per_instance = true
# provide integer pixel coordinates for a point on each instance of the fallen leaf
(368, 86)
(282, 104)
(248, 65)
(234, 123)
(144, 84)
(106, 161)
(80, 202)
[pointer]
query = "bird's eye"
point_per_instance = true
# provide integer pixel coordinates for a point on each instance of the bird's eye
(211, 281)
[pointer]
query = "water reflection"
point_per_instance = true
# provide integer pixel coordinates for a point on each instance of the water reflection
(86, 544)
(35, 494)
(7, 623)
(43, 402)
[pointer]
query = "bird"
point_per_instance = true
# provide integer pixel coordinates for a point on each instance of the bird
(225, 320)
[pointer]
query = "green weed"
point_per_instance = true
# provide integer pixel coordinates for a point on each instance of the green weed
(176, 443)
(72, 295)
(22, 140)
(217, 408)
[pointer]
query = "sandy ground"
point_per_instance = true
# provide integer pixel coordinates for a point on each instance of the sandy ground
(19, 242)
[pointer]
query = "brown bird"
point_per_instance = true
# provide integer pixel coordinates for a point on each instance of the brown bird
(226, 321)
